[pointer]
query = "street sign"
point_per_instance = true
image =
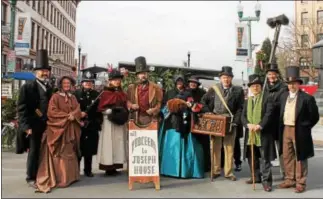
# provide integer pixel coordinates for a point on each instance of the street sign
(11, 61)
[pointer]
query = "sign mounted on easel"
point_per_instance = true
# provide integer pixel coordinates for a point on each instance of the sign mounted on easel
(143, 155)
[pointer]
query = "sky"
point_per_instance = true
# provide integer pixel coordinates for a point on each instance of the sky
(164, 31)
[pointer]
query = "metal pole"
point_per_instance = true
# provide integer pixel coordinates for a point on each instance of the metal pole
(13, 4)
(250, 44)
(79, 68)
(188, 59)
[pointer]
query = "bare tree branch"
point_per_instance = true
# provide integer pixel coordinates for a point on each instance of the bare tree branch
(294, 48)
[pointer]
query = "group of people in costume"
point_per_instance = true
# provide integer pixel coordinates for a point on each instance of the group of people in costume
(60, 128)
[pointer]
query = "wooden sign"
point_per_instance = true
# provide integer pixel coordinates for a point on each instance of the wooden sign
(211, 124)
(143, 155)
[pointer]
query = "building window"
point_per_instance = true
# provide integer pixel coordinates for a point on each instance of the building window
(51, 14)
(47, 10)
(37, 37)
(32, 38)
(27, 2)
(3, 14)
(304, 41)
(303, 1)
(50, 45)
(320, 17)
(54, 22)
(3, 60)
(39, 7)
(43, 42)
(304, 18)
(319, 37)
(34, 4)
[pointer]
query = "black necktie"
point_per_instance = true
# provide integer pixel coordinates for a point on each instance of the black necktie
(225, 92)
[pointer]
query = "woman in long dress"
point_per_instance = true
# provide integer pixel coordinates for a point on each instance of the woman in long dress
(181, 155)
(112, 142)
(60, 143)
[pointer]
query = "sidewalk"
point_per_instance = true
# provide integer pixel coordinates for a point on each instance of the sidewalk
(317, 134)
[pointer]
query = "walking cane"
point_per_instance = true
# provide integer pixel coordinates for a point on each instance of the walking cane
(252, 162)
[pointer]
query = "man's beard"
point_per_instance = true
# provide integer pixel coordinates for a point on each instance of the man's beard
(143, 80)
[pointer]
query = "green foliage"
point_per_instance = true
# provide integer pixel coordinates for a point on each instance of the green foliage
(166, 75)
(263, 55)
(9, 113)
(9, 108)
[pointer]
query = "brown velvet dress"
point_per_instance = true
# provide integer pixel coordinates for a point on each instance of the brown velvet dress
(60, 144)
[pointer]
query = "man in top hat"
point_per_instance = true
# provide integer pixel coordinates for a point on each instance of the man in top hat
(33, 102)
(256, 116)
(274, 88)
(298, 115)
(144, 96)
(212, 101)
(87, 98)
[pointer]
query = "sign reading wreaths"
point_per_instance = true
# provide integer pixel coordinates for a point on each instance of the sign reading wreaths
(211, 124)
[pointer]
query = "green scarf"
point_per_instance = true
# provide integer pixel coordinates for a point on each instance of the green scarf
(254, 117)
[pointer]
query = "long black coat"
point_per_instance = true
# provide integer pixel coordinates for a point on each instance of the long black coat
(275, 91)
(29, 100)
(90, 134)
(307, 115)
(266, 134)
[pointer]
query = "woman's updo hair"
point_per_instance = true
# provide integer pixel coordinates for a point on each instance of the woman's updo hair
(73, 82)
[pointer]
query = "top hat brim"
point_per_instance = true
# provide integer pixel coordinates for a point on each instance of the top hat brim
(116, 76)
(194, 81)
(42, 68)
(255, 82)
(142, 71)
(290, 80)
(272, 70)
(226, 73)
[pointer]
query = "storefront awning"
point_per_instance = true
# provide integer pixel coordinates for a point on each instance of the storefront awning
(21, 76)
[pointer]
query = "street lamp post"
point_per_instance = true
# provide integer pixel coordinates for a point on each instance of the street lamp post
(249, 20)
(79, 65)
(188, 59)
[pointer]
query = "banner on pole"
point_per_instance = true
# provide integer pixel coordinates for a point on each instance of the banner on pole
(23, 34)
(242, 43)
(11, 62)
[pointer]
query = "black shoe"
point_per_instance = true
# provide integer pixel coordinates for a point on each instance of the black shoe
(89, 174)
(250, 181)
(111, 172)
(238, 168)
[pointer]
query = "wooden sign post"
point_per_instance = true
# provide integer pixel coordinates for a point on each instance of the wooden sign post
(213, 125)
(143, 155)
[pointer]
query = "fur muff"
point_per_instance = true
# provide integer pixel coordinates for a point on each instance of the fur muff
(175, 105)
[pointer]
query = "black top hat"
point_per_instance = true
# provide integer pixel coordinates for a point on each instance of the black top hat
(292, 74)
(178, 77)
(42, 60)
(88, 76)
(254, 79)
(141, 65)
(226, 70)
(195, 80)
(273, 67)
(115, 74)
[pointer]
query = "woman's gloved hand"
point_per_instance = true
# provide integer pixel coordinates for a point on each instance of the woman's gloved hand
(108, 111)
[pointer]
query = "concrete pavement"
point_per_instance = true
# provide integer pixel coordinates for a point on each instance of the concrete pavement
(13, 184)
(317, 134)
